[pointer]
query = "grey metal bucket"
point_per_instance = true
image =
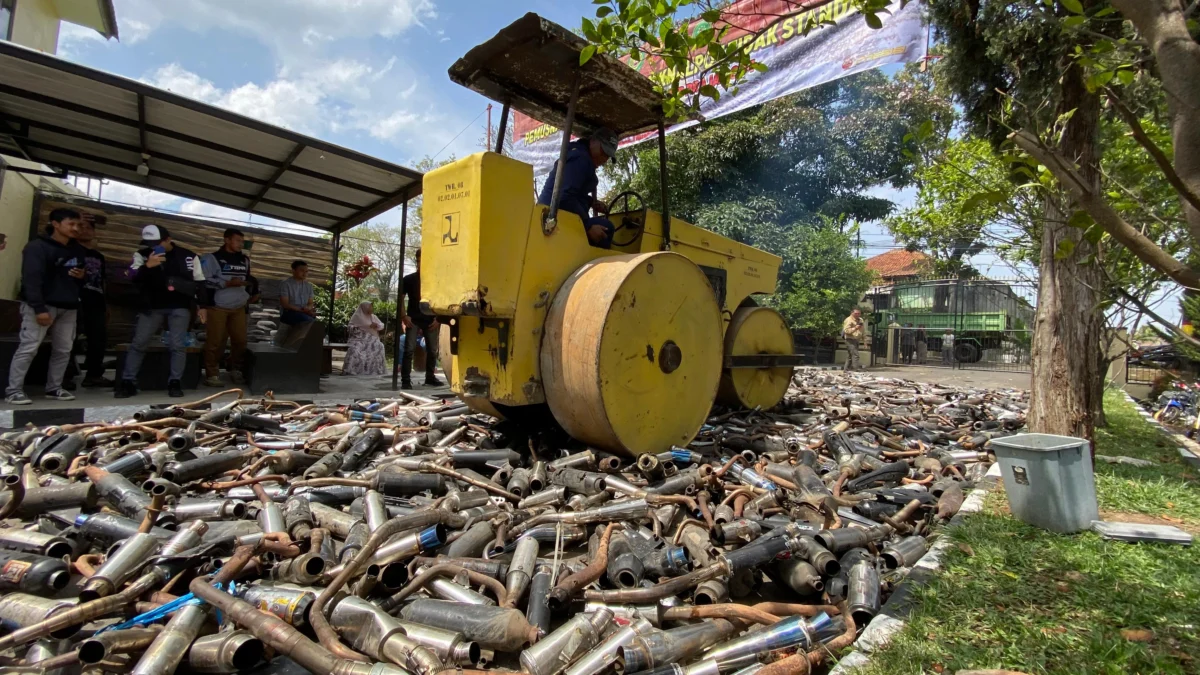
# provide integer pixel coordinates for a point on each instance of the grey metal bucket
(1049, 480)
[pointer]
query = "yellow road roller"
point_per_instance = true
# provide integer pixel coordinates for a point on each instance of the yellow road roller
(628, 347)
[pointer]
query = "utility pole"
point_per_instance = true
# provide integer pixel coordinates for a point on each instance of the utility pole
(489, 133)
(858, 243)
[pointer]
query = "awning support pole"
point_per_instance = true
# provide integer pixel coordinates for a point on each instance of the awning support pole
(396, 353)
(552, 217)
(333, 275)
(503, 128)
(662, 177)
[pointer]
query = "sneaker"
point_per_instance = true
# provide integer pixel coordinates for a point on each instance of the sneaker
(60, 395)
(434, 382)
(125, 389)
(213, 381)
(90, 382)
(175, 389)
(18, 398)
(237, 377)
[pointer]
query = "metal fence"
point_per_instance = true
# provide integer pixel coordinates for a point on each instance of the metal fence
(1143, 374)
(955, 323)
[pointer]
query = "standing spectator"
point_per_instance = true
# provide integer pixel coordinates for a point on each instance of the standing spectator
(853, 331)
(948, 348)
(51, 274)
(93, 311)
(907, 343)
(3, 241)
(413, 320)
(227, 271)
(365, 354)
(296, 310)
(171, 281)
(922, 344)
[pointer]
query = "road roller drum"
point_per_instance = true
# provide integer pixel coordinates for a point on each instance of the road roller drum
(631, 356)
(756, 331)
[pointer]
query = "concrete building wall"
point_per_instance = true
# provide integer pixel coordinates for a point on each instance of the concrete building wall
(16, 198)
(35, 25)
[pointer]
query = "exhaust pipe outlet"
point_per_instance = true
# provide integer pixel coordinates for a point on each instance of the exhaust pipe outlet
(538, 477)
(30, 541)
(449, 646)
(904, 553)
(304, 570)
(124, 560)
(818, 556)
(668, 561)
(651, 467)
(862, 592)
(370, 630)
(325, 466)
(625, 568)
(169, 648)
(518, 482)
(99, 647)
(741, 529)
(799, 576)
(203, 467)
(581, 482)
(39, 575)
(579, 460)
(795, 631)
(159, 486)
(711, 592)
(605, 654)
(521, 569)
(663, 647)
(845, 538)
(553, 653)
(18, 610)
(288, 603)
(723, 515)
(209, 509)
(181, 441)
(55, 453)
(492, 627)
(229, 652)
(407, 484)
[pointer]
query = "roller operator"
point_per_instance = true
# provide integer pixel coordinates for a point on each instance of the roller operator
(584, 156)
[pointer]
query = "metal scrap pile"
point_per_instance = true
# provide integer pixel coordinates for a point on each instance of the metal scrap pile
(411, 535)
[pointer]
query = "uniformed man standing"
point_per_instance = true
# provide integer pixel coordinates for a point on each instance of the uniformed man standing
(853, 330)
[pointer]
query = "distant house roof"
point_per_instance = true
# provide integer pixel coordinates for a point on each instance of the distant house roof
(900, 263)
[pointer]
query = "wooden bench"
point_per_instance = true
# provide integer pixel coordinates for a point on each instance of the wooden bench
(327, 356)
(286, 371)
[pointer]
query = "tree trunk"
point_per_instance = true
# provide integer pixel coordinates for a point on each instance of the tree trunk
(1067, 383)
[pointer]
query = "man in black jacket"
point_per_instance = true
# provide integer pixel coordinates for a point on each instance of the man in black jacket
(93, 309)
(52, 270)
(171, 281)
(413, 320)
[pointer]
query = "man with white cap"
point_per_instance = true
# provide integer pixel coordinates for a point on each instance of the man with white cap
(171, 282)
(584, 156)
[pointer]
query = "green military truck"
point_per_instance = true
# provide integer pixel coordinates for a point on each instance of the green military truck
(974, 332)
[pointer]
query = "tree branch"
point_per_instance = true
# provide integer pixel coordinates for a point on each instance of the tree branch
(1104, 215)
(1176, 330)
(1159, 156)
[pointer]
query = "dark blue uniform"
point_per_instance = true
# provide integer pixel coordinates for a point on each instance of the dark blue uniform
(579, 184)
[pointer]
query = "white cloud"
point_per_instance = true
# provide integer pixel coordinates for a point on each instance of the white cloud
(288, 26)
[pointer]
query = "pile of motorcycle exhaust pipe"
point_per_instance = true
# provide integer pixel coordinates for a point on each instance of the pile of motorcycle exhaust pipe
(413, 535)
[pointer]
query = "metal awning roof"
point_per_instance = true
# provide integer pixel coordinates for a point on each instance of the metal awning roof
(86, 121)
(530, 65)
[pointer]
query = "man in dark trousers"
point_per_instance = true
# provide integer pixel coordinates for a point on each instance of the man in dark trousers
(413, 320)
(228, 273)
(93, 309)
(52, 270)
(584, 156)
(171, 282)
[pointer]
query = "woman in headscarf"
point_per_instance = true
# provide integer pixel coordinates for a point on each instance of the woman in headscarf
(365, 354)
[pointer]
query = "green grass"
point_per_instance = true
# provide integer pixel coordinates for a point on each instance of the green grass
(1014, 597)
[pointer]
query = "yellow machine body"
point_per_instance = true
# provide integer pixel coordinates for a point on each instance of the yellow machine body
(492, 272)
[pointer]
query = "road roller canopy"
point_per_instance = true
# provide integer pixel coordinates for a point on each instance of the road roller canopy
(531, 66)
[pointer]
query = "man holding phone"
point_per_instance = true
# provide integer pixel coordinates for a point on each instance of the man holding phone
(171, 282)
(52, 272)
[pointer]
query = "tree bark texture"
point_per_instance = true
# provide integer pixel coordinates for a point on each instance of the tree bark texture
(1163, 25)
(1068, 374)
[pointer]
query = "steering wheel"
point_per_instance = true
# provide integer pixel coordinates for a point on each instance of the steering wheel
(633, 220)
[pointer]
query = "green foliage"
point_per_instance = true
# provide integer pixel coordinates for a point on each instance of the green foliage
(686, 40)
(826, 282)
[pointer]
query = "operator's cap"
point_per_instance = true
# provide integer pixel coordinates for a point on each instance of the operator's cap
(608, 140)
(152, 234)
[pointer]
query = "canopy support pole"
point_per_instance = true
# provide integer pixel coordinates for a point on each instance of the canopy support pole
(503, 128)
(552, 217)
(662, 177)
(396, 351)
(333, 277)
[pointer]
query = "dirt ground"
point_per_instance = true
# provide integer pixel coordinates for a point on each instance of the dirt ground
(956, 377)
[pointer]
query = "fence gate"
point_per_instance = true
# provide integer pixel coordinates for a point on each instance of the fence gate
(976, 323)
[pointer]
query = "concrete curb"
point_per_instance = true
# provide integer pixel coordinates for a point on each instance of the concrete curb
(892, 616)
(1189, 450)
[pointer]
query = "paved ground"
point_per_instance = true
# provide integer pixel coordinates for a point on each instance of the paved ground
(956, 377)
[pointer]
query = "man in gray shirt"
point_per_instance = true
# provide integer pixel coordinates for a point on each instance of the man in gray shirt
(296, 311)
